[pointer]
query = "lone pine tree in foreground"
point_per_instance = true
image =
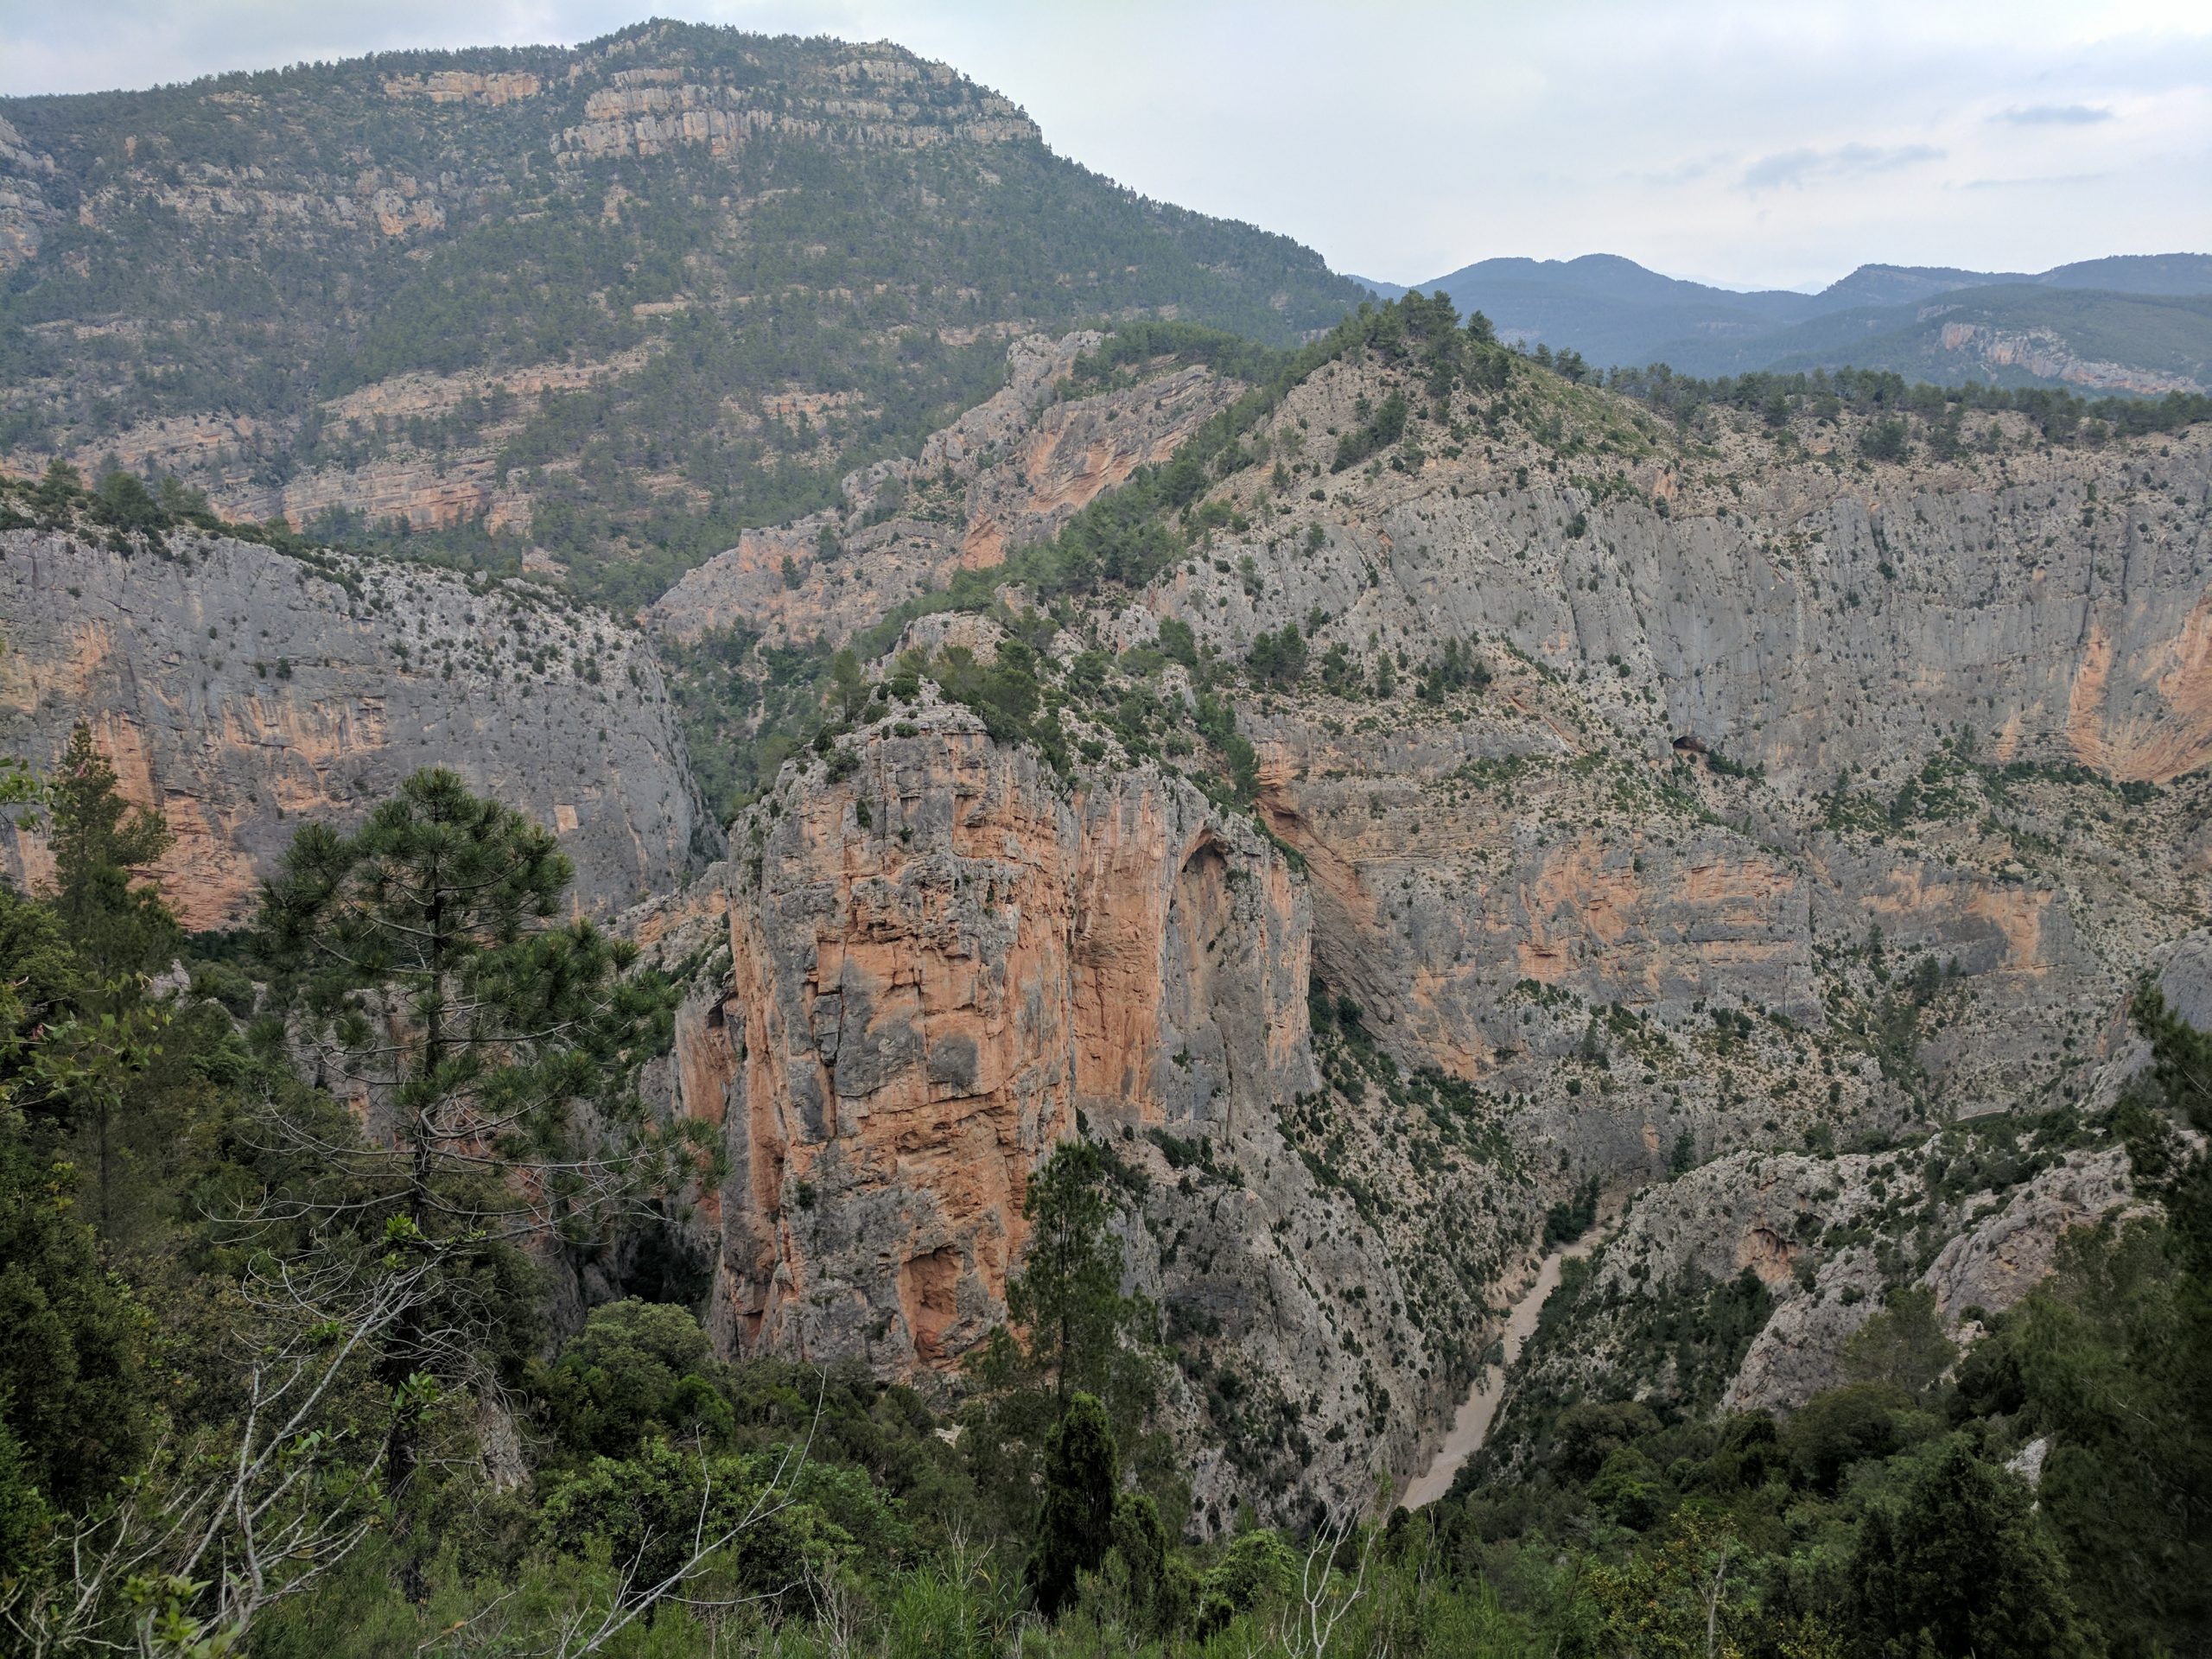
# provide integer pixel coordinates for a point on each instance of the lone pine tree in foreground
(493, 1050)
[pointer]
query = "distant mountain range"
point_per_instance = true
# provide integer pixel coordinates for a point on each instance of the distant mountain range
(2139, 323)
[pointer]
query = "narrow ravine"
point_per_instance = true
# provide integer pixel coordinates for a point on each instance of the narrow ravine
(1470, 1423)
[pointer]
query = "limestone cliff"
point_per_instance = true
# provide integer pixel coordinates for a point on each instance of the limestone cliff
(1008, 472)
(1657, 799)
(1914, 674)
(245, 691)
(943, 960)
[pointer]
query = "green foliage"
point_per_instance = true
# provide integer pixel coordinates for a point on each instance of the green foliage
(510, 1080)
(2107, 1360)
(1885, 396)
(1571, 1217)
(1278, 658)
(1075, 1520)
(1176, 643)
(1160, 1590)
(1006, 695)
(1843, 1426)
(1085, 1335)
(1070, 1333)
(119, 926)
(1958, 1565)
(24, 1517)
(1903, 1346)
(1378, 432)
(1453, 668)
(1139, 342)
(77, 1384)
(647, 1510)
(1884, 441)
(1216, 722)
(1256, 1568)
(633, 1374)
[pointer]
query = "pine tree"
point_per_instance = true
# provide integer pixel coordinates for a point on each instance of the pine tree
(117, 931)
(1961, 1566)
(1076, 1524)
(118, 925)
(1083, 1332)
(1070, 1334)
(494, 1050)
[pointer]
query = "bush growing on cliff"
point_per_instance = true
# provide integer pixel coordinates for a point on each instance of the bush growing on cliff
(1379, 431)
(1278, 658)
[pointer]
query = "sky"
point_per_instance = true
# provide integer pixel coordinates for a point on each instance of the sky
(1772, 144)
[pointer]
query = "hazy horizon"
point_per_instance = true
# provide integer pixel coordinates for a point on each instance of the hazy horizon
(1732, 145)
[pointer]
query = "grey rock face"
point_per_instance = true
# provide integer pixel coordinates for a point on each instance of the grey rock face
(943, 962)
(1796, 797)
(246, 691)
(1692, 786)
(1010, 472)
(2185, 979)
(1828, 1237)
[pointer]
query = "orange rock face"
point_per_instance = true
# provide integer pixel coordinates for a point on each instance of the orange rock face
(938, 967)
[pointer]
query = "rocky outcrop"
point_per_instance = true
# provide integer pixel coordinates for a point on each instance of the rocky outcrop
(2045, 354)
(880, 100)
(245, 691)
(1010, 472)
(2057, 604)
(1742, 724)
(942, 962)
(1827, 1238)
(466, 86)
(25, 173)
(1777, 798)
(2005, 1250)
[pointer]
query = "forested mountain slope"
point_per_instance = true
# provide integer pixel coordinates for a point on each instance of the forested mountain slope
(611, 303)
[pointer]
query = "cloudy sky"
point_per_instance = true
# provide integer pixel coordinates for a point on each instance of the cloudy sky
(1771, 143)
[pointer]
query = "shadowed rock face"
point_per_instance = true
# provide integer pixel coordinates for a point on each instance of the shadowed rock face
(246, 691)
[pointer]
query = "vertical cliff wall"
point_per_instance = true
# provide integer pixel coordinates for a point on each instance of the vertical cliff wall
(245, 691)
(943, 960)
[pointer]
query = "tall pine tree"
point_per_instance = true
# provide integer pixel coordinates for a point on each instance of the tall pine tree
(491, 1048)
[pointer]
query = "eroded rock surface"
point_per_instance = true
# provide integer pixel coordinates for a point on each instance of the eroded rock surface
(942, 962)
(1010, 472)
(1781, 800)
(246, 691)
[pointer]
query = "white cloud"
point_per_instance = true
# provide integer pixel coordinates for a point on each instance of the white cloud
(1799, 167)
(2054, 115)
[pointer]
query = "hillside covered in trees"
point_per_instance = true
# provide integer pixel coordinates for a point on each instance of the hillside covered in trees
(613, 303)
